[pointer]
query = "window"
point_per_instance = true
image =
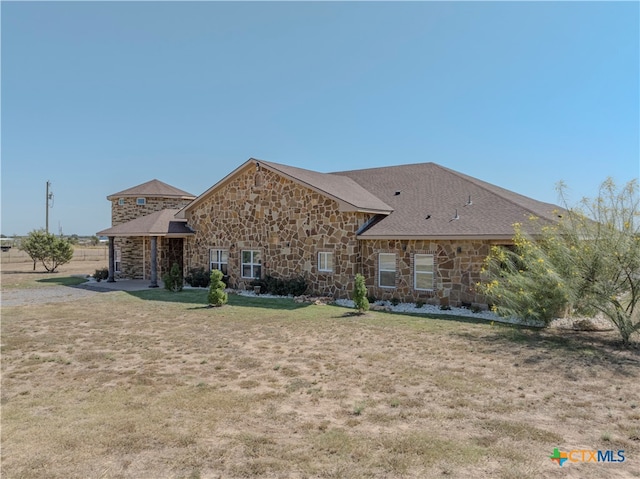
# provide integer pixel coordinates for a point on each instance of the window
(141, 201)
(218, 259)
(251, 264)
(117, 259)
(423, 272)
(325, 261)
(387, 270)
(121, 202)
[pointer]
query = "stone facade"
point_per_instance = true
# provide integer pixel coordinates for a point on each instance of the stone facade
(135, 252)
(457, 266)
(290, 225)
(286, 222)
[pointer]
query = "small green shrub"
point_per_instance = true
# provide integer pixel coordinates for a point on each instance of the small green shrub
(360, 300)
(395, 301)
(198, 278)
(101, 274)
(419, 303)
(217, 295)
(445, 307)
(173, 279)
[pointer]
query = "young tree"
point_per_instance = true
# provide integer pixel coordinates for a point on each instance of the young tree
(589, 261)
(217, 295)
(47, 248)
(360, 300)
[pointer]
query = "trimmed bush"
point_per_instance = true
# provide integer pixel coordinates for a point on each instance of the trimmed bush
(360, 294)
(173, 279)
(217, 295)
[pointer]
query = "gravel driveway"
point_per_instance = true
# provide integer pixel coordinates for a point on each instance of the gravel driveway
(51, 294)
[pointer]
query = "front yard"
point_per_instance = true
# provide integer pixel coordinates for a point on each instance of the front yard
(153, 384)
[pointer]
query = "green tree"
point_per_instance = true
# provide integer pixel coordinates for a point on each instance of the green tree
(173, 280)
(47, 248)
(217, 295)
(360, 301)
(589, 261)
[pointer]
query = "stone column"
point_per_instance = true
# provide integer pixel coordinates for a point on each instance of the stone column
(154, 260)
(112, 261)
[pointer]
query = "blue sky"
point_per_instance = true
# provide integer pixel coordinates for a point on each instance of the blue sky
(99, 97)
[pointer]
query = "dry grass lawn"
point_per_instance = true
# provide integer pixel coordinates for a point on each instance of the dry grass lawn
(155, 385)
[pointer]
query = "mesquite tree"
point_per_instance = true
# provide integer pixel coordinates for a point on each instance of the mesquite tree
(586, 262)
(47, 248)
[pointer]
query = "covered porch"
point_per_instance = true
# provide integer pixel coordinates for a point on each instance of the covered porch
(146, 247)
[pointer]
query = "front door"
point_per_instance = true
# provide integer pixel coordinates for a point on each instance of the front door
(174, 253)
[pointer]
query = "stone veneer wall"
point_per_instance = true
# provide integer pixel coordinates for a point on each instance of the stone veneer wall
(287, 222)
(131, 248)
(457, 270)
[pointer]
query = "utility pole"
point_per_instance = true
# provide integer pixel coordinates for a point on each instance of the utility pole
(49, 197)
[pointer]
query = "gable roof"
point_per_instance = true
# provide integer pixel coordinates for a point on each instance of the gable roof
(153, 188)
(348, 193)
(428, 190)
(160, 223)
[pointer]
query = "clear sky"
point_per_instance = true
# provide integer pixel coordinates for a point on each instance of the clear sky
(100, 97)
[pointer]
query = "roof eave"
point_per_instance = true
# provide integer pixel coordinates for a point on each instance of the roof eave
(435, 237)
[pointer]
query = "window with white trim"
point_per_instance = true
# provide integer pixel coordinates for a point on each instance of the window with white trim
(219, 259)
(387, 270)
(117, 259)
(120, 201)
(251, 264)
(325, 261)
(141, 201)
(423, 272)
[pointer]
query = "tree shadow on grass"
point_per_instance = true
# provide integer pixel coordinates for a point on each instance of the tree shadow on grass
(535, 347)
(63, 280)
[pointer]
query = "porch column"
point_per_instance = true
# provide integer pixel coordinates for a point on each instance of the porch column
(154, 259)
(112, 261)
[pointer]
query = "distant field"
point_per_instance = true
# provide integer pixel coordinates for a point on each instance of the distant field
(80, 253)
(153, 384)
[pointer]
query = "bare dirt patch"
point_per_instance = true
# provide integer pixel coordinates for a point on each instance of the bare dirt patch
(153, 384)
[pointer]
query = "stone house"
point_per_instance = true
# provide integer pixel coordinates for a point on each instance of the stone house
(416, 232)
(141, 217)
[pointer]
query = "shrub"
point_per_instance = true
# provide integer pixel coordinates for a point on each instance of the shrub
(395, 301)
(173, 279)
(217, 295)
(198, 278)
(419, 303)
(281, 287)
(360, 300)
(101, 274)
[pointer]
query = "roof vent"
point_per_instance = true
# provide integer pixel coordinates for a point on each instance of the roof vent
(427, 217)
(469, 202)
(455, 217)
(397, 193)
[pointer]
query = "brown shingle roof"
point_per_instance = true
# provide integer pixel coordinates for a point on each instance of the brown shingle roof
(160, 223)
(153, 188)
(430, 190)
(350, 195)
(341, 188)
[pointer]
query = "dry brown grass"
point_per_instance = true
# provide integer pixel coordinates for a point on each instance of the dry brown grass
(143, 386)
